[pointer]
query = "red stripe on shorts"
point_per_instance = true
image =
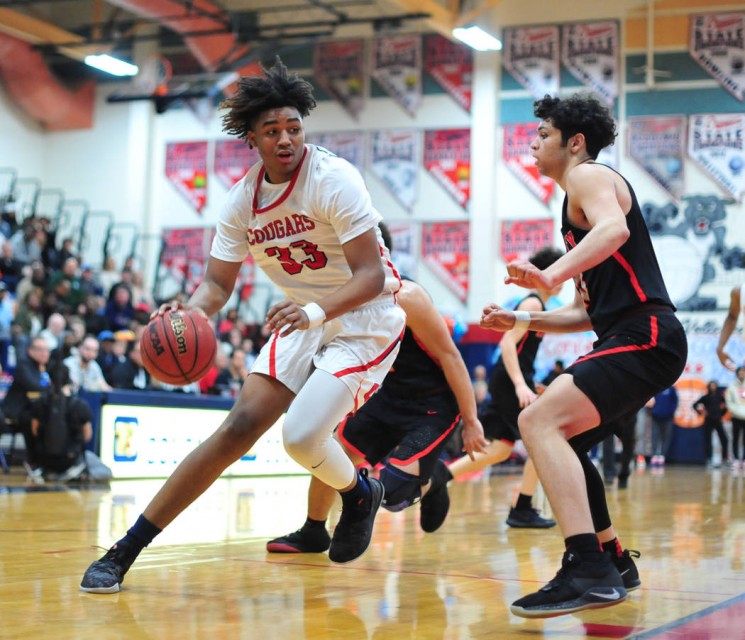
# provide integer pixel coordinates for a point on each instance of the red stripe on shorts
(372, 363)
(653, 330)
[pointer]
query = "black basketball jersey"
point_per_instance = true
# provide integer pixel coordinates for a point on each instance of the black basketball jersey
(527, 348)
(414, 372)
(627, 279)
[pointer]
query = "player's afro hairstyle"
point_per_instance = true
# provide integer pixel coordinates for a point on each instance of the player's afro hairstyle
(544, 258)
(579, 113)
(277, 88)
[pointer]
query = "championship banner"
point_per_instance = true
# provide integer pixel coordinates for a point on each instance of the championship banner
(233, 158)
(451, 64)
(520, 239)
(445, 250)
(590, 50)
(657, 145)
(447, 157)
(715, 142)
(186, 168)
(182, 261)
(339, 68)
(349, 145)
(716, 43)
(405, 240)
(609, 156)
(531, 55)
(517, 157)
(397, 66)
(394, 159)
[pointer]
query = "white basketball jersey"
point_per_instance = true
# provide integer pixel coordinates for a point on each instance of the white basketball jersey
(295, 230)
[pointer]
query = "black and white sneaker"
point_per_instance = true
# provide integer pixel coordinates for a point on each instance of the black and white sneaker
(106, 574)
(627, 568)
(528, 519)
(304, 540)
(353, 532)
(578, 585)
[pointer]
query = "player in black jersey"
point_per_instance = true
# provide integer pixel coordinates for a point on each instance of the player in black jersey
(641, 347)
(511, 389)
(405, 425)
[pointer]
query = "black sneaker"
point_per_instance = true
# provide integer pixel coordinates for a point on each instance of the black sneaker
(434, 506)
(577, 586)
(529, 519)
(353, 532)
(627, 568)
(303, 540)
(105, 575)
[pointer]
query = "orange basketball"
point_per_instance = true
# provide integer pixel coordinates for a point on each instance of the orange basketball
(178, 347)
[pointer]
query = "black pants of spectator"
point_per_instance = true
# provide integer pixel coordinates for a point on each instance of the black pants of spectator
(626, 432)
(738, 433)
(710, 426)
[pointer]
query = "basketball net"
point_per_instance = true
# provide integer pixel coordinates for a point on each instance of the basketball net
(155, 73)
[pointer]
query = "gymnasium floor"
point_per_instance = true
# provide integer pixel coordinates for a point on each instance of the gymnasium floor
(208, 575)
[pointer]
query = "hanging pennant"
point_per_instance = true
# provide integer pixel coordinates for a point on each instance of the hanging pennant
(451, 64)
(520, 239)
(445, 250)
(447, 157)
(516, 155)
(590, 50)
(716, 143)
(349, 145)
(405, 240)
(657, 145)
(394, 159)
(339, 67)
(233, 159)
(397, 67)
(531, 55)
(717, 44)
(186, 168)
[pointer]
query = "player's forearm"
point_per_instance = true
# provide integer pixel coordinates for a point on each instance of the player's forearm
(727, 329)
(364, 285)
(460, 383)
(567, 319)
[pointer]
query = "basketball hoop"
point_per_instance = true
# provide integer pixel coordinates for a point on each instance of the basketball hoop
(155, 73)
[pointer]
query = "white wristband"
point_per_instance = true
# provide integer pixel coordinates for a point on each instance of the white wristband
(316, 315)
(522, 319)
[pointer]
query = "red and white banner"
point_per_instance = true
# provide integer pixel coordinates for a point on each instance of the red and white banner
(451, 64)
(590, 51)
(405, 240)
(183, 259)
(447, 157)
(394, 159)
(517, 157)
(657, 144)
(339, 67)
(349, 145)
(717, 43)
(715, 142)
(186, 168)
(531, 55)
(233, 158)
(520, 239)
(396, 65)
(445, 250)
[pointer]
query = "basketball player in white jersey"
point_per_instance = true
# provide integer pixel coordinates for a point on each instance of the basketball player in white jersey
(307, 219)
(736, 307)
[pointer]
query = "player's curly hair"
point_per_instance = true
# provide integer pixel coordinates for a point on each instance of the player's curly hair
(544, 258)
(275, 89)
(580, 113)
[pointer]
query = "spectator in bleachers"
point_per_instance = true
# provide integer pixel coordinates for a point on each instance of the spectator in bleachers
(65, 251)
(248, 348)
(207, 384)
(70, 272)
(34, 276)
(89, 283)
(29, 319)
(119, 310)
(129, 373)
(85, 372)
(106, 356)
(26, 243)
(53, 332)
(8, 221)
(74, 335)
(109, 276)
(11, 269)
(6, 320)
(125, 280)
(95, 322)
(140, 293)
(230, 379)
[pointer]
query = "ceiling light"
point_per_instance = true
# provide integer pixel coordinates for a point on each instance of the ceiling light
(477, 38)
(112, 65)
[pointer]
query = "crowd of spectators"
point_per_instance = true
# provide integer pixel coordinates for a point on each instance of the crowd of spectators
(90, 320)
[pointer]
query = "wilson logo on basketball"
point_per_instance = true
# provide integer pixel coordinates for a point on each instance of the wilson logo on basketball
(178, 326)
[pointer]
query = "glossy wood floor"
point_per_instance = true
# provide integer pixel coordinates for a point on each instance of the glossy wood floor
(208, 575)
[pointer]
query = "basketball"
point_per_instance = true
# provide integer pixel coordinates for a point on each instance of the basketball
(178, 347)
